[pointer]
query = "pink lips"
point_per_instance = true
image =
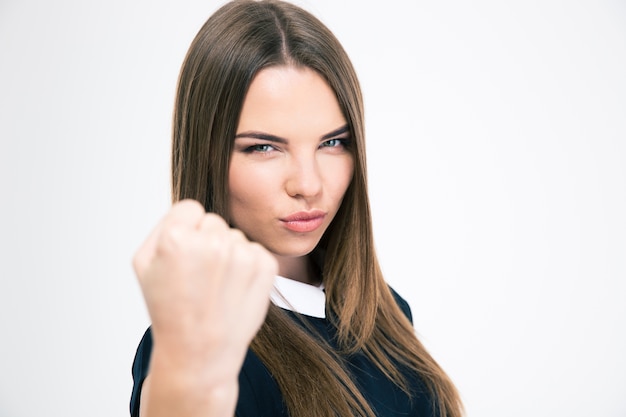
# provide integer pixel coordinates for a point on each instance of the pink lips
(304, 221)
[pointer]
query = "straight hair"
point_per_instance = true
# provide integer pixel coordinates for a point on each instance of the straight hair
(240, 39)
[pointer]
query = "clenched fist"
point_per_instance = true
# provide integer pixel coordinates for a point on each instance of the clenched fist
(206, 288)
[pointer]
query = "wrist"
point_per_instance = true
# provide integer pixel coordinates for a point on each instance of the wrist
(206, 368)
(189, 391)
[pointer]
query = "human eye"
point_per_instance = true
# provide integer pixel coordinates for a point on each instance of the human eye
(259, 148)
(335, 143)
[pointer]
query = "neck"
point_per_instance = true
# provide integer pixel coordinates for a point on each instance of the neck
(298, 269)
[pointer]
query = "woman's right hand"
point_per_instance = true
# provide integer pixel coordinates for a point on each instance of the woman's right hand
(207, 289)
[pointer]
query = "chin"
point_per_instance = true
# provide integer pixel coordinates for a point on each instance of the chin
(293, 253)
(294, 250)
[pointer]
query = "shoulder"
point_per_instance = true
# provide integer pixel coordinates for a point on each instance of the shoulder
(141, 363)
(142, 356)
(259, 394)
(258, 391)
(402, 303)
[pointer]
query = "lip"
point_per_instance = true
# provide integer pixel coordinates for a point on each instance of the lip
(304, 221)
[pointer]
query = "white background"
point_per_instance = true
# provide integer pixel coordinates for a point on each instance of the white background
(497, 153)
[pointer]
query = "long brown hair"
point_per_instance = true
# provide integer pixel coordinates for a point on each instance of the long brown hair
(239, 39)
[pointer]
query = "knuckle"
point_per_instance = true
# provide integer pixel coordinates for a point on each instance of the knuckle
(212, 223)
(238, 236)
(190, 205)
(242, 256)
(215, 219)
(186, 212)
(139, 264)
(169, 240)
(216, 246)
(266, 261)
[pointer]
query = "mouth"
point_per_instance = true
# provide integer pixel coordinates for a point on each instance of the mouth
(304, 221)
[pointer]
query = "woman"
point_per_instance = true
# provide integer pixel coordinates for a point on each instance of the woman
(269, 138)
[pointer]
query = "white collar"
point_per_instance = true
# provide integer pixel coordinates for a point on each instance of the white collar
(299, 297)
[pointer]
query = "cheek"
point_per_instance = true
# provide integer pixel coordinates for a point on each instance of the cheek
(247, 187)
(340, 177)
(239, 190)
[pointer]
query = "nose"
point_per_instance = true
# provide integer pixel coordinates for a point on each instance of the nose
(304, 178)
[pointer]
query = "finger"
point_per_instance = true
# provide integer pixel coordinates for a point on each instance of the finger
(188, 213)
(258, 295)
(253, 265)
(267, 268)
(212, 222)
(185, 213)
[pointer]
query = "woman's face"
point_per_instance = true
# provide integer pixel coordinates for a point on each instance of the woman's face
(291, 164)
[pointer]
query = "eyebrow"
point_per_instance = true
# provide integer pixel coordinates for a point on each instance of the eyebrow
(278, 139)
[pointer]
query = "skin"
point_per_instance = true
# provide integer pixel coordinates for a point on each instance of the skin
(196, 272)
(307, 170)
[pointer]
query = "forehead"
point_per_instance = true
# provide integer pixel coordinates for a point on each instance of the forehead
(290, 101)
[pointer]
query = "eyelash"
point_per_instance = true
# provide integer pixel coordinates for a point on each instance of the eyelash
(340, 142)
(345, 142)
(255, 148)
